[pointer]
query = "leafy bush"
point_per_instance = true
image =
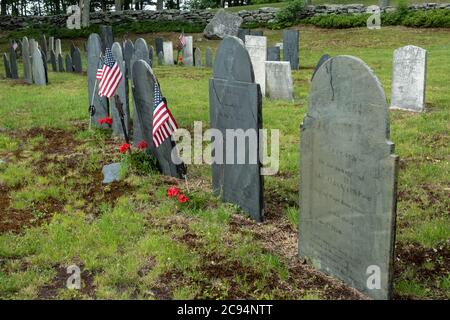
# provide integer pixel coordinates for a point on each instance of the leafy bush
(291, 14)
(140, 163)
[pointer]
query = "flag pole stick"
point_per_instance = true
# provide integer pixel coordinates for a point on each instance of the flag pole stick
(92, 104)
(119, 108)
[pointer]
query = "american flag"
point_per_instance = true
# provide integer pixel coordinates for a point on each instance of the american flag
(163, 122)
(110, 77)
(181, 41)
(99, 74)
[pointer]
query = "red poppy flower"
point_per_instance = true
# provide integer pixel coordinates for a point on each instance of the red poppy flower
(142, 145)
(124, 148)
(182, 198)
(108, 120)
(101, 121)
(172, 192)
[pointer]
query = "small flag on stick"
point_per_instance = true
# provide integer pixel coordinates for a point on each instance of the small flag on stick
(110, 76)
(164, 123)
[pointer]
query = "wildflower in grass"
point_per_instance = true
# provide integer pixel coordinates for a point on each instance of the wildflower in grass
(173, 192)
(142, 145)
(106, 120)
(182, 198)
(124, 148)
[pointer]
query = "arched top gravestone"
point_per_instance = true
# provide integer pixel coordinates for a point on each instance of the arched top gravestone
(235, 107)
(128, 51)
(38, 69)
(348, 178)
(143, 90)
(141, 50)
(121, 92)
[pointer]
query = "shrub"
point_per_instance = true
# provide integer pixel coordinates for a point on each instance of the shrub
(291, 14)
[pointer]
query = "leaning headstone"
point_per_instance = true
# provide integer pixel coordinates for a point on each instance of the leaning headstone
(13, 63)
(150, 55)
(257, 49)
(409, 72)
(58, 47)
(279, 83)
(209, 58)
(198, 57)
(60, 63)
(168, 52)
(38, 69)
(33, 46)
(26, 60)
(348, 178)
(242, 33)
(7, 66)
(51, 44)
(107, 37)
(235, 104)
(144, 81)
(94, 50)
(273, 54)
(121, 92)
(72, 49)
(160, 59)
(69, 65)
(222, 25)
(111, 173)
(128, 51)
(290, 48)
(76, 60)
(159, 45)
(53, 61)
(43, 44)
(188, 52)
(44, 62)
(322, 60)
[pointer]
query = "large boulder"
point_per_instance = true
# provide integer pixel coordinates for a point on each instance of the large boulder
(222, 25)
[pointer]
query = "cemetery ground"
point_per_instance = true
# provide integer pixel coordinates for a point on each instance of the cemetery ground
(131, 241)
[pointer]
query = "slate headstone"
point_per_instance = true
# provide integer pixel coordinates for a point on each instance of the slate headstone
(58, 49)
(348, 178)
(209, 58)
(53, 61)
(60, 63)
(121, 92)
(72, 49)
(107, 37)
(150, 55)
(322, 60)
(128, 51)
(198, 57)
(235, 104)
(44, 62)
(38, 69)
(159, 45)
(290, 48)
(77, 62)
(51, 44)
(257, 33)
(222, 25)
(257, 49)
(7, 66)
(43, 44)
(13, 63)
(160, 59)
(33, 46)
(94, 51)
(26, 60)
(409, 79)
(188, 51)
(242, 33)
(69, 65)
(273, 54)
(168, 52)
(144, 81)
(279, 83)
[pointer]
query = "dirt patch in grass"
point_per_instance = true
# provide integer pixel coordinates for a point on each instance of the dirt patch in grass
(165, 285)
(12, 220)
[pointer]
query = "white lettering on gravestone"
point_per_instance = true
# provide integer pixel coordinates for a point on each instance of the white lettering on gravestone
(257, 49)
(74, 20)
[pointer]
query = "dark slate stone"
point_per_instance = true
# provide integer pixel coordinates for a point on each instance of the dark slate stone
(43, 44)
(150, 55)
(7, 66)
(107, 37)
(94, 50)
(128, 51)
(76, 61)
(72, 49)
(273, 54)
(13, 63)
(290, 48)
(322, 60)
(60, 63)
(159, 46)
(69, 65)
(197, 57)
(144, 81)
(26, 60)
(242, 33)
(160, 58)
(236, 103)
(258, 33)
(38, 69)
(53, 61)
(209, 58)
(44, 61)
(223, 24)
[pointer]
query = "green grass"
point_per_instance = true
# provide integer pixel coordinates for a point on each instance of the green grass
(133, 242)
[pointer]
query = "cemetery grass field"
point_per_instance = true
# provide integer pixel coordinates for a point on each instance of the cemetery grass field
(132, 242)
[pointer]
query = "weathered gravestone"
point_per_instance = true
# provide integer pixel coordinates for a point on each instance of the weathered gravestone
(242, 33)
(140, 53)
(409, 72)
(72, 49)
(38, 69)
(348, 178)
(76, 60)
(53, 61)
(128, 51)
(58, 49)
(290, 48)
(69, 65)
(223, 24)
(197, 57)
(94, 51)
(26, 60)
(13, 63)
(60, 63)
(209, 58)
(257, 49)
(7, 66)
(279, 80)
(43, 44)
(168, 52)
(150, 55)
(257, 33)
(107, 37)
(322, 60)
(44, 63)
(144, 81)
(51, 44)
(160, 59)
(235, 107)
(121, 92)
(33, 46)
(159, 45)
(188, 53)
(273, 54)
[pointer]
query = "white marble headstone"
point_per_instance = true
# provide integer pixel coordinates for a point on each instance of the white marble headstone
(188, 52)
(257, 49)
(168, 52)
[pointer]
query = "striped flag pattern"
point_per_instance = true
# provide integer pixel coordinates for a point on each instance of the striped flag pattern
(111, 76)
(164, 123)
(99, 74)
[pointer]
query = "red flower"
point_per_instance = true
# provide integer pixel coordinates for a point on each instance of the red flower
(124, 148)
(142, 145)
(107, 120)
(172, 192)
(182, 198)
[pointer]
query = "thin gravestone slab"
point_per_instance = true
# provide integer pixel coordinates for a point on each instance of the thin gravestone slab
(242, 33)
(151, 51)
(290, 48)
(348, 178)
(235, 104)
(44, 62)
(43, 44)
(322, 60)
(38, 69)
(143, 91)
(77, 62)
(13, 63)
(209, 58)
(279, 84)
(69, 65)
(128, 51)
(160, 59)
(168, 53)
(72, 49)
(107, 37)
(121, 92)
(94, 52)
(409, 72)
(159, 45)
(7, 66)
(273, 54)
(26, 60)
(257, 49)
(53, 61)
(198, 57)
(58, 48)
(33, 46)
(51, 44)
(188, 52)
(60, 63)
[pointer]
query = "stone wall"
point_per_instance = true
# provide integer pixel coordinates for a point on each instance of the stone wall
(195, 16)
